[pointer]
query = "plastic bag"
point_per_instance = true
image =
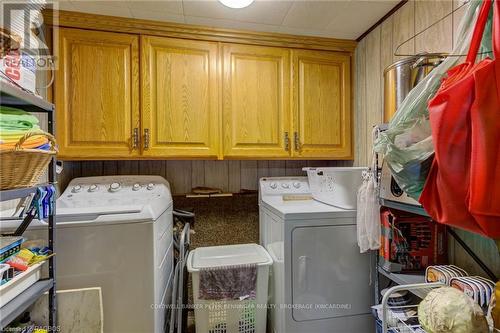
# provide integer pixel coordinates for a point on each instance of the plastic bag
(368, 212)
(407, 144)
(368, 215)
(363, 241)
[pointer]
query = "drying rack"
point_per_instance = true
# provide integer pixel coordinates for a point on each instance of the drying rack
(394, 322)
(16, 97)
(178, 296)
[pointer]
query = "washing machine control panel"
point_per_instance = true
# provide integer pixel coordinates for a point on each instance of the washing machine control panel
(284, 185)
(114, 191)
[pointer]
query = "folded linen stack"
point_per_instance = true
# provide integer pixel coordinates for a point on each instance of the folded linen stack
(14, 124)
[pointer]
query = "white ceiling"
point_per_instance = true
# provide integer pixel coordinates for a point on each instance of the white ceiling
(328, 18)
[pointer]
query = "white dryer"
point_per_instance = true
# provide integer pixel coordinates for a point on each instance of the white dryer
(115, 232)
(320, 283)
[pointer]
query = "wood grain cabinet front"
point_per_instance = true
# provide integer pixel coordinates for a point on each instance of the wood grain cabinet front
(179, 96)
(256, 101)
(97, 94)
(126, 96)
(322, 100)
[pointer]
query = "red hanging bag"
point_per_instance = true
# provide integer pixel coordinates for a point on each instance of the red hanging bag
(463, 185)
(484, 194)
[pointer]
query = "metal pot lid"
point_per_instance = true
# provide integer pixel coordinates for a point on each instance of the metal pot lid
(415, 58)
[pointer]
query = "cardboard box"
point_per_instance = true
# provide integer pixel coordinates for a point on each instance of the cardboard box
(412, 241)
(19, 67)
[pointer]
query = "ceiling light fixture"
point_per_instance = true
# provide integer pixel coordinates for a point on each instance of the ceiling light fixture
(236, 3)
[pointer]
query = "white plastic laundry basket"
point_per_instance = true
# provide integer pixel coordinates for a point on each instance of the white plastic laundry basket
(216, 316)
(336, 186)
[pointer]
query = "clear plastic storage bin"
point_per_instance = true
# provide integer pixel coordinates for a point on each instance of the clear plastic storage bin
(231, 316)
(20, 283)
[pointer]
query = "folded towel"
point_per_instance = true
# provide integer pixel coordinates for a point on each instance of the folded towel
(12, 138)
(15, 119)
(44, 147)
(32, 142)
(12, 134)
(228, 283)
(14, 124)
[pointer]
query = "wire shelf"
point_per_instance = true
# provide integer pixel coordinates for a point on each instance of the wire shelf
(393, 323)
(13, 96)
(404, 318)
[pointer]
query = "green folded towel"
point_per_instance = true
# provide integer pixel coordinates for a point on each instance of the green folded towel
(15, 119)
(14, 133)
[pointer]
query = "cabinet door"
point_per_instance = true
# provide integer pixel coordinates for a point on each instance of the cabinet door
(179, 98)
(256, 101)
(322, 104)
(97, 94)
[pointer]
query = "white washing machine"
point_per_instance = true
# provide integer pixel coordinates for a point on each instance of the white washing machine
(115, 232)
(320, 283)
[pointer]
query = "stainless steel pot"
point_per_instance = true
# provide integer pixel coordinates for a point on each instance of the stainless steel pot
(403, 75)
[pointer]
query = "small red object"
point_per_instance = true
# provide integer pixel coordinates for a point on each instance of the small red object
(17, 265)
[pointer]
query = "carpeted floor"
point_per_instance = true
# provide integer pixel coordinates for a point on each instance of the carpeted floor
(224, 220)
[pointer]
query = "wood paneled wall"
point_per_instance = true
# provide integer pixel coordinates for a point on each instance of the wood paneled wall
(377, 51)
(230, 176)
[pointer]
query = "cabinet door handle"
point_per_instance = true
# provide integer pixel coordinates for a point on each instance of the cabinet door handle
(296, 141)
(135, 138)
(146, 138)
(286, 140)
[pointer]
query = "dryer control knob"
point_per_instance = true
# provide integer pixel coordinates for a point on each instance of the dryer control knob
(114, 187)
(273, 185)
(76, 188)
(150, 186)
(136, 187)
(93, 188)
(296, 185)
(285, 185)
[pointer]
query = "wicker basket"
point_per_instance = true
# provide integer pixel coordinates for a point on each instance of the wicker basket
(23, 167)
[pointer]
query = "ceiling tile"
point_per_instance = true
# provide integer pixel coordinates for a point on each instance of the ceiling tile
(230, 24)
(265, 12)
(164, 6)
(327, 18)
(314, 15)
(316, 33)
(157, 16)
(112, 8)
(366, 14)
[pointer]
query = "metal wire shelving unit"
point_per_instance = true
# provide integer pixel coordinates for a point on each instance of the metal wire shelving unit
(13, 96)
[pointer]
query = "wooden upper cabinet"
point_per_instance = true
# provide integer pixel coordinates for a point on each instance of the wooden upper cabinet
(128, 95)
(97, 94)
(322, 100)
(256, 101)
(180, 109)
